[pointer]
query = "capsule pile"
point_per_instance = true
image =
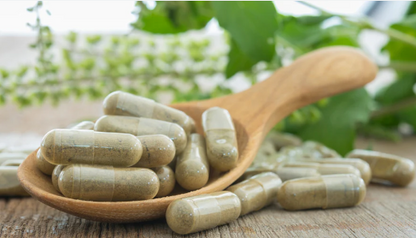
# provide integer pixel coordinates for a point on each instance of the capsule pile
(141, 149)
(313, 176)
(138, 150)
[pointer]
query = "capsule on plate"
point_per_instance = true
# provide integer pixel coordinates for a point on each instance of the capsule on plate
(192, 214)
(64, 146)
(43, 165)
(9, 183)
(360, 164)
(126, 104)
(106, 183)
(288, 173)
(257, 191)
(221, 139)
(84, 125)
(143, 126)
(158, 150)
(387, 168)
(327, 191)
(192, 168)
(55, 175)
(326, 169)
(166, 179)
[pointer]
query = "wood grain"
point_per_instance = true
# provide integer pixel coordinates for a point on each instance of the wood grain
(316, 75)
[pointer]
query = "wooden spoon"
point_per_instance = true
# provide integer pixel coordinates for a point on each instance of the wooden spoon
(317, 75)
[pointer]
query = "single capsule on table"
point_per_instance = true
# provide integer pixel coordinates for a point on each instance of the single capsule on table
(326, 169)
(106, 183)
(360, 164)
(256, 192)
(192, 214)
(55, 176)
(9, 183)
(12, 162)
(166, 179)
(386, 167)
(84, 125)
(64, 146)
(126, 104)
(43, 165)
(288, 173)
(221, 139)
(143, 126)
(158, 150)
(327, 191)
(192, 168)
(280, 140)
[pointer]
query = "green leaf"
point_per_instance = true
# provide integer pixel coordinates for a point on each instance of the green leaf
(174, 17)
(336, 128)
(412, 9)
(398, 50)
(237, 61)
(408, 115)
(251, 24)
(397, 91)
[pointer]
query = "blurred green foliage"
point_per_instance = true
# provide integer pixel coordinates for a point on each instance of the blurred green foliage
(259, 38)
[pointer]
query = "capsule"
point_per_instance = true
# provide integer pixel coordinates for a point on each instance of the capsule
(192, 214)
(12, 162)
(327, 191)
(251, 171)
(106, 183)
(256, 192)
(64, 146)
(143, 126)
(192, 168)
(288, 173)
(126, 104)
(280, 140)
(25, 149)
(12, 156)
(326, 169)
(9, 183)
(166, 179)
(361, 165)
(319, 150)
(158, 150)
(55, 176)
(84, 125)
(387, 168)
(221, 140)
(43, 165)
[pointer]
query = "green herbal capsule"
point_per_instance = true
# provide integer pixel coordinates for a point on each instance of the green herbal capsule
(326, 169)
(256, 192)
(143, 126)
(55, 175)
(192, 168)
(221, 139)
(387, 168)
(126, 104)
(327, 191)
(106, 183)
(9, 183)
(280, 140)
(63, 146)
(192, 214)
(360, 164)
(158, 150)
(167, 180)
(84, 125)
(289, 173)
(43, 165)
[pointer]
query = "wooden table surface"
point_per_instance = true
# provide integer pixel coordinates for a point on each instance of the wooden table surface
(385, 212)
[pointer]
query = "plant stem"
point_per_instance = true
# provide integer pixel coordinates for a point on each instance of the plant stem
(394, 107)
(401, 66)
(365, 24)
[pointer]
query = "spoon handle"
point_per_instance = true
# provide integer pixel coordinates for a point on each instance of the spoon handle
(314, 76)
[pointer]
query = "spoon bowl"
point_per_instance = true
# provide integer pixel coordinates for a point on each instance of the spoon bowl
(255, 111)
